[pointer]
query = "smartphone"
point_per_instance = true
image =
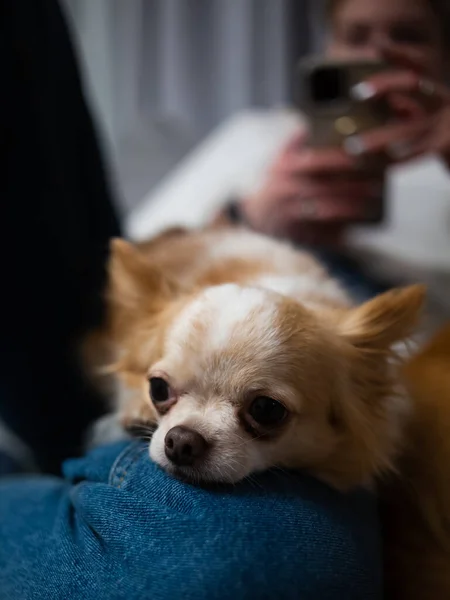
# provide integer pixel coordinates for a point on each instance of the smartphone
(324, 96)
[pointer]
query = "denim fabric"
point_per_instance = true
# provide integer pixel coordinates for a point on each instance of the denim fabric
(117, 527)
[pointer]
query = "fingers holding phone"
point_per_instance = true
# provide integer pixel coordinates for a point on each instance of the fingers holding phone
(334, 116)
(426, 124)
(310, 185)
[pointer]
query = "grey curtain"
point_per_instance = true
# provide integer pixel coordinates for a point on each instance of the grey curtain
(162, 73)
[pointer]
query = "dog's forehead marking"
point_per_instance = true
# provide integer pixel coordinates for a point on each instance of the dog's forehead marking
(227, 311)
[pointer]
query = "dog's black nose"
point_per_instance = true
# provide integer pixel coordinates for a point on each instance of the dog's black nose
(183, 446)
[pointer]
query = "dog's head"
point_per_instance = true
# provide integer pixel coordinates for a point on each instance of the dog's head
(242, 379)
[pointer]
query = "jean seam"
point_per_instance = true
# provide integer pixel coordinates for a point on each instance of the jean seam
(122, 464)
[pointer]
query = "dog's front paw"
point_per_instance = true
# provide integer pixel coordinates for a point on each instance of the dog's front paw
(138, 416)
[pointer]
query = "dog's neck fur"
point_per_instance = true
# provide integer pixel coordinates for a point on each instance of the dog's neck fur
(224, 255)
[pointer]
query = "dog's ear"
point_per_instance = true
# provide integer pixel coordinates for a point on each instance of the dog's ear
(371, 414)
(387, 319)
(135, 285)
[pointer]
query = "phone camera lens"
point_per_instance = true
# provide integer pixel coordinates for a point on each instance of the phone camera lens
(327, 85)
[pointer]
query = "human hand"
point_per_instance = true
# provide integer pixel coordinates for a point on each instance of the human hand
(422, 103)
(304, 185)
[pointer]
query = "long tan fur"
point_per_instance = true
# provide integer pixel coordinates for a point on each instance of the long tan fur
(359, 412)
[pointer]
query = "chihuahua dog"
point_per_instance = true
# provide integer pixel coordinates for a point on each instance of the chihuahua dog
(246, 355)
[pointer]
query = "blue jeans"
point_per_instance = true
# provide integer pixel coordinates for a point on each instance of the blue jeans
(117, 527)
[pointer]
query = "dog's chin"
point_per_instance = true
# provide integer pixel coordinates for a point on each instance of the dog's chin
(190, 476)
(208, 473)
(201, 476)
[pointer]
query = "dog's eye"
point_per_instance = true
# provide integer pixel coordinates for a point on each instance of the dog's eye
(267, 412)
(159, 390)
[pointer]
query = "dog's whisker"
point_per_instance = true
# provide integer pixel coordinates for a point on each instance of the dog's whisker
(280, 471)
(249, 441)
(254, 482)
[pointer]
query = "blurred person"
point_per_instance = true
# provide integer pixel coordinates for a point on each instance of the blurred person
(313, 196)
(412, 36)
(114, 525)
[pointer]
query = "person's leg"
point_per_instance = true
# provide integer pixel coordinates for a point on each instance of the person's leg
(119, 527)
(57, 218)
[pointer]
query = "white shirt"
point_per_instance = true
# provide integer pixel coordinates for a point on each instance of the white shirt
(413, 243)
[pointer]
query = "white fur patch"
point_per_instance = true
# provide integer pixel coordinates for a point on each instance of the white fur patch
(248, 245)
(289, 272)
(297, 287)
(232, 307)
(226, 311)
